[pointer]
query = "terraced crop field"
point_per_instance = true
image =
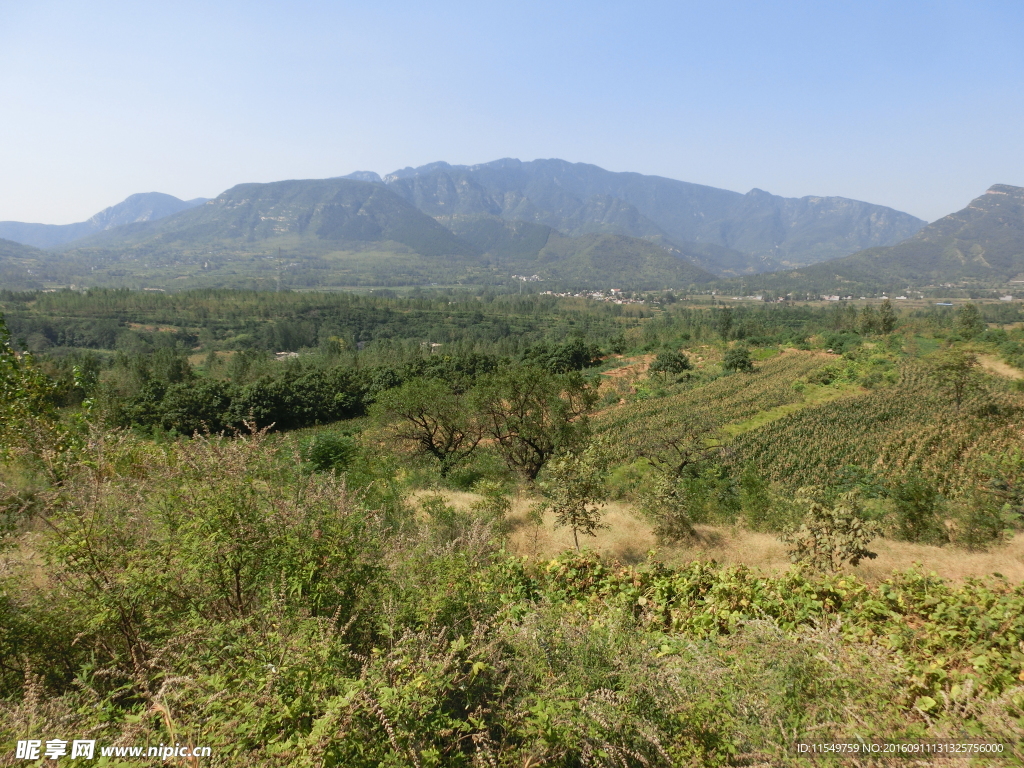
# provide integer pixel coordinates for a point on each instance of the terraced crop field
(911, 426)
(730, 398)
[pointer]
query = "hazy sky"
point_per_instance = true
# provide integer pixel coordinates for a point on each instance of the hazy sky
(917, 105)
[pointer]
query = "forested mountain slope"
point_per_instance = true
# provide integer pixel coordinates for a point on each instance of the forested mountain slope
(595, 259)
(457, 224)
(330, 211)
(19, 265)
(984, 242)
(754, 232)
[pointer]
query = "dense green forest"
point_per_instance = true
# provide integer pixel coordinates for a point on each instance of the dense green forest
(301, 528)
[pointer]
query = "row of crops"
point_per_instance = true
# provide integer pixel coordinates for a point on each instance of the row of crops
(721, 400)
(912, 427)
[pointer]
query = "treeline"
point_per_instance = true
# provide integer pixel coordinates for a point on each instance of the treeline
(282, 322)
(485, 322)
(162, 390)
(139, 353)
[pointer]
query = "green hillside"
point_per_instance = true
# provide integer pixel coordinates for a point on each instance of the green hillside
(20, 265)
(343, 232)
(300, 234)
(329, 212)
(592, 260)
(506, 242)
(982, 244)
(458, 530)
(146, 206)
(616, 261)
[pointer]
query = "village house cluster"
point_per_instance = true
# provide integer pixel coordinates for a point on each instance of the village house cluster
(614, 295)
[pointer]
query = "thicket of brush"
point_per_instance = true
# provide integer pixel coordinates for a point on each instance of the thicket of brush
(219, 592)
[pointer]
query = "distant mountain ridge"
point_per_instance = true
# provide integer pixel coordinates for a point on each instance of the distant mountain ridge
(19, 265)
(982, 242)
(572, 224)
(328, 210)
(327, 222)
(729, 232)
(145, 206)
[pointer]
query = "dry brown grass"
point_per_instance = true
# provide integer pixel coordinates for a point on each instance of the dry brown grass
(993, 364)
(629, 539)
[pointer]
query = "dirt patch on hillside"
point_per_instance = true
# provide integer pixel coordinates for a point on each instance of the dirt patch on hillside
(993, 364)
(638, 366)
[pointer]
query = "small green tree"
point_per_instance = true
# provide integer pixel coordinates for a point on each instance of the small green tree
(968, 322)
(675, 452)
(918, 505)
(981, 521)
(956, 371)
(830, 536)
(329, 452)
(432, 416)
(575, 489)
(25, 395)
(30, 425)
(869, 320)
(532, 415)
(723, 322)
(494, 506)
(760, 510)
(886, 317)
(738, 359)
(671, 362)
(663, 500)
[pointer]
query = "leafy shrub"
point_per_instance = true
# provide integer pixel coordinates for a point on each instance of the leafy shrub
(979, 522)
(329, 452)
(825, 375)
(575, 489)
(573, 355)
(969, 322)
(495, 506)
(762, 507)
(842, 343)
(828, 538)
(447, 523)
(663, 502)
(917, 511)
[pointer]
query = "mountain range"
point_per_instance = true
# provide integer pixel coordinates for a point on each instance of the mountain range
(724, 232)
(981, 244)
(146, 206)
(352, 232)
(570, 224)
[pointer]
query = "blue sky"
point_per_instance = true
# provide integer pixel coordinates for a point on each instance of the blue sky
(917, 105)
